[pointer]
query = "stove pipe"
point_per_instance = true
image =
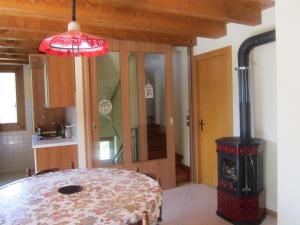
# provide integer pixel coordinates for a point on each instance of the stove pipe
(244, 83)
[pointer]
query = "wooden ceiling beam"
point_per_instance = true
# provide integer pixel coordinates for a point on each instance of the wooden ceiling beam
(16, 62)
(146, 36)
(106, 15)
(11, 34)
(21, 29)
(261, 4)
(13, 57)
(219, 10)
(19, 44)
(18, 51)
(13, 60)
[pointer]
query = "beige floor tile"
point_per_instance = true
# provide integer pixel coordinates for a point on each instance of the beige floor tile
(194, 204)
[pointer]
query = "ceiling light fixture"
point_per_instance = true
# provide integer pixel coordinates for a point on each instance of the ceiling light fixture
(74, 42)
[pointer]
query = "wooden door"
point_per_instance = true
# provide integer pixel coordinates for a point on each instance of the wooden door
(213, 71)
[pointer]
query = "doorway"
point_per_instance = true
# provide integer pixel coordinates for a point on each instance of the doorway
(16, 153)
(181, 74)
(212, 109)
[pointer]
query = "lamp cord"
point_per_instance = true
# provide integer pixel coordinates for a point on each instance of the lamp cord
(73, 10)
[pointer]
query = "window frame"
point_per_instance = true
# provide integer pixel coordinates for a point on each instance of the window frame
(20, 125)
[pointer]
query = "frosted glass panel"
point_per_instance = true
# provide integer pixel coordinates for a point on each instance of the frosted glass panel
(8, 98)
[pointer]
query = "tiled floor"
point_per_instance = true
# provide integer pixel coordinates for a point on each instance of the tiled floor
(194, 204)
(6, 178)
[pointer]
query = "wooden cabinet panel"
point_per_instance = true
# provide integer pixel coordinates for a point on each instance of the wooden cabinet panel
(42, 116)
(56, 157)
(58, 79)
(61, 81)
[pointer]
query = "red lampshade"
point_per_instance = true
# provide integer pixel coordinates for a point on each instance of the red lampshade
(74, 43)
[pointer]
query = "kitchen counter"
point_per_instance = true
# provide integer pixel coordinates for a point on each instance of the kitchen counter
(45, 143)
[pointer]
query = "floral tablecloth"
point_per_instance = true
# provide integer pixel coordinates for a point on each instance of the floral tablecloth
(109, 197)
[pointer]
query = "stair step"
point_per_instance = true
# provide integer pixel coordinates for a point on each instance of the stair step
(178, 158)
(182, 174)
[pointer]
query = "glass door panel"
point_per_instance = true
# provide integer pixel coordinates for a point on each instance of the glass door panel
(156, 110)
(109, 108)
(148, 106)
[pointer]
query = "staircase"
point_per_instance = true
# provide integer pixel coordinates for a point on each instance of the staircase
(157, 148)
(157, 142)
(182, 171)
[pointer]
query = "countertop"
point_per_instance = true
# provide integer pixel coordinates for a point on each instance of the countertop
(36, 143)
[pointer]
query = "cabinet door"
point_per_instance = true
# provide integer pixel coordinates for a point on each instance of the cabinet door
(61, 82)
(42, 116)
(56, 157)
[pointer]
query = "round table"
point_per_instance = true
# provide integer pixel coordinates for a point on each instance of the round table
(109, 197)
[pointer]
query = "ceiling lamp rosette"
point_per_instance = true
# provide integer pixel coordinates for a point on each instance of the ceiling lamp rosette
(74, 42)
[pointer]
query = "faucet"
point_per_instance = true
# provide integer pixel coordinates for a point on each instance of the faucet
(60, 132)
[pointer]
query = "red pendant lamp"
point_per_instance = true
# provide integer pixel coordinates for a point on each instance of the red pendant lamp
(73, 42)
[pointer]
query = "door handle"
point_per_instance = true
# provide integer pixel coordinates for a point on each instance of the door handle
(201, 124)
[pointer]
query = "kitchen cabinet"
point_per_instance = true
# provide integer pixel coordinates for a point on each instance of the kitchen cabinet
(59, 82)
(56, 157)
(42, 116)
(59, 79)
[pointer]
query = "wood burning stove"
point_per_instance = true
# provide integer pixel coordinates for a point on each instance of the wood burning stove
(240, 180)
(241, 197)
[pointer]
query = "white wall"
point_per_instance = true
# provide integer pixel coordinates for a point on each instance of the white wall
(181, 102)
(71, 120)
(236, 34)
(264, 91)
(288, 89)
(80, 122)
(264, 113)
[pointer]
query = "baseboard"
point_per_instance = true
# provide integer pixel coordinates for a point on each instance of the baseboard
(271, 213)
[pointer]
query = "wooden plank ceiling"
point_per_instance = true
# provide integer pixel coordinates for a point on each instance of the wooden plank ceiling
(24, 23)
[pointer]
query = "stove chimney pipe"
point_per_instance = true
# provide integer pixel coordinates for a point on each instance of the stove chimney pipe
(244, 83)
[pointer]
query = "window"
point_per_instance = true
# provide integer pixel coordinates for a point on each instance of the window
(12, 106)
(108, 149)
(104, 150)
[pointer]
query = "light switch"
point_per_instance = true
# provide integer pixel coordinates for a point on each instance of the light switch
(171, 121)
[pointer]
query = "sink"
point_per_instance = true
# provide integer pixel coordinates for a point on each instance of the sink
(49, 135)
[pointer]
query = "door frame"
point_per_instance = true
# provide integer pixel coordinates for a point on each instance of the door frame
(194, 107)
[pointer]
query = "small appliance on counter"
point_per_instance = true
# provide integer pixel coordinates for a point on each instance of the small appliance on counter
(68, 131)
